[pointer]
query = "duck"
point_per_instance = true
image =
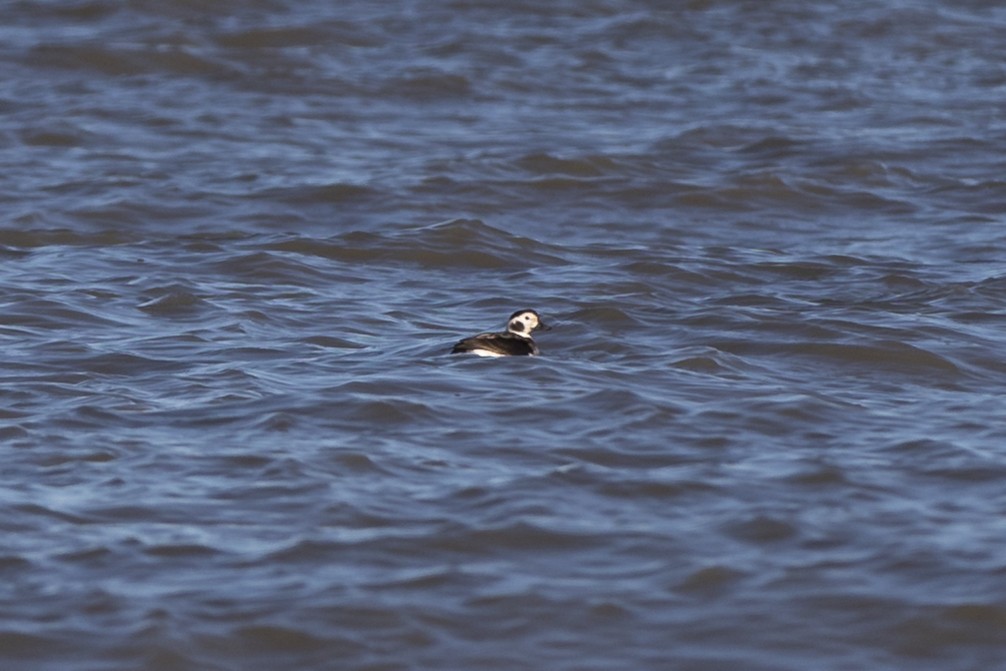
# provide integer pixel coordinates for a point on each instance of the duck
(515, 341)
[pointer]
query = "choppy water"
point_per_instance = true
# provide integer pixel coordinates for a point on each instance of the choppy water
(238, 238)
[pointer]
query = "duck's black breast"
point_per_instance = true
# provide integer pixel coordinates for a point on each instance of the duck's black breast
(505, 344)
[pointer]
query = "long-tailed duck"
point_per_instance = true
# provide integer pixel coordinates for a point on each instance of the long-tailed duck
(515, 342)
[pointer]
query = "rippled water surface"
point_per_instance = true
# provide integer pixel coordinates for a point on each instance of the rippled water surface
(237, 240)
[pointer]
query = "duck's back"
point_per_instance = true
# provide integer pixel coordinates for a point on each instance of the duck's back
(496, 344)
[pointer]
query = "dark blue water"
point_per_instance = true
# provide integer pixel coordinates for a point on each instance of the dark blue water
(237, 242)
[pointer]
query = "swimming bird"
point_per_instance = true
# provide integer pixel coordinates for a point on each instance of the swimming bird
(516, 341)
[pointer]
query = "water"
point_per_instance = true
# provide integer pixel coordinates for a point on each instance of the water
(238, 239)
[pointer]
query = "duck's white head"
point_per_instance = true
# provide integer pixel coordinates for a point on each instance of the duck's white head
(523, 322)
